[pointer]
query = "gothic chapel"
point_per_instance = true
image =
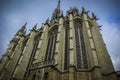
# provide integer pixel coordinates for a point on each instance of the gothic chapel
(66, 47)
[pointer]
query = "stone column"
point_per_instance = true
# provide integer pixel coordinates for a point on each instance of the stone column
(102, 53)
(71, 24)
(96, 71)
(59, 44)
(14, 58)
(71, 49)
(8, 55)
(26, 54)
(40, 53)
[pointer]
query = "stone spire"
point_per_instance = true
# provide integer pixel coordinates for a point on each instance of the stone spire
(56, 12)
(58, 6)
(22, 30)
(23, 27)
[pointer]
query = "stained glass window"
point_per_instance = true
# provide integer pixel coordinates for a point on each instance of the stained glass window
(66, 56)
(51, 44)
(35, 47)
(80, 47)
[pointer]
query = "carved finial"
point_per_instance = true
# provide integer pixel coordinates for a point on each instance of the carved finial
(94, 17)
(83, 9)
(24, 26)
(22, 31)
(58, 5)
(47, 21)
(35, 26)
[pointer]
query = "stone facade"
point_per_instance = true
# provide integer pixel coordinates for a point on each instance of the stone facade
(65, 48)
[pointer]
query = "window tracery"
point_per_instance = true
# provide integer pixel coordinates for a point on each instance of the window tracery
(80, 47)
(51, 45)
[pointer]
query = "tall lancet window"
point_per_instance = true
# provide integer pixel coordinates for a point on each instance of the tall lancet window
(37, 39)
(51, 44)
(35, 48)
(66, 55)
(80, 47)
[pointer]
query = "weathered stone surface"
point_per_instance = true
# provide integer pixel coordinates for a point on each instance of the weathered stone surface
(66, 48)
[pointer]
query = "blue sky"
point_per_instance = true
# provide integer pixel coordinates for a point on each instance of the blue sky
(14, 13)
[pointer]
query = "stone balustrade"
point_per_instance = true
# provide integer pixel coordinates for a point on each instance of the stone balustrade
(43, 64)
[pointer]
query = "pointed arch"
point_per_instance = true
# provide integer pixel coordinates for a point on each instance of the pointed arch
(52, 37)
(80, 45)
